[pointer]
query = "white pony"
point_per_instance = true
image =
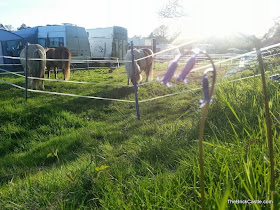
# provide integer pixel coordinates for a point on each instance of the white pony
(144, 64)
(36, 68)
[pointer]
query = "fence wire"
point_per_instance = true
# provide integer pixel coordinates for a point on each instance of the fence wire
(123, 100)
(130, 101)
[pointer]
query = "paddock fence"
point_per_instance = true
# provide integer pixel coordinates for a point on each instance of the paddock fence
(231, 61)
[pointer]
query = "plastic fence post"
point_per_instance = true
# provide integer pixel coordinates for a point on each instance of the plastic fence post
(154, 49)
(26, 71)
(134, 81)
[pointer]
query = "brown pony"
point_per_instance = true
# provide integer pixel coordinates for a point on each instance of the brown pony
(59, 53)
(145, 62)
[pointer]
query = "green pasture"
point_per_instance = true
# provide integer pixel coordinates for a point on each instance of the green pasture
(61, 152)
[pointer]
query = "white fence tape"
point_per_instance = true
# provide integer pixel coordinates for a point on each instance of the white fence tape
(67, 94)
(78, 82)
(10, 72)
(130, 101)
(122, 100)
(142, 84)
(163, 51)
(67, 81)
(71, 60)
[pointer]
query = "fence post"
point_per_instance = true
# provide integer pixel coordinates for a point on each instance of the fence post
(154, 49)
(26, 71)
(134, 81)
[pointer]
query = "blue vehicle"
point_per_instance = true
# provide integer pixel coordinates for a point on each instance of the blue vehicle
(75, 38)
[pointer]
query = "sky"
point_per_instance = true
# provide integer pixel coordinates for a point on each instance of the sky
(204, 17)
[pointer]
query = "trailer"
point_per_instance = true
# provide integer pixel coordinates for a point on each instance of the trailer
(91, 44)
(108, 43)
(10, 46)
(73, 37)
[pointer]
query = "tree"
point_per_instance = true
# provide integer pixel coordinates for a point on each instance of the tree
(160, 34)
(163, 36)
(23, 26)
(273, 34)
(9, 27)
(6, 27)
(173, 9)
(2, 26)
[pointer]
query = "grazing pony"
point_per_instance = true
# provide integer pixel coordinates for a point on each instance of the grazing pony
(59, 53)
(144, 64)
(36, 67)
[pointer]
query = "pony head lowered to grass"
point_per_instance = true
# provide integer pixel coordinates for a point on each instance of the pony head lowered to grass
(145, 61)
(36, 68)
(59, 53)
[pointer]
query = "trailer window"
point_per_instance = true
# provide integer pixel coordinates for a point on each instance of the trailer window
(14, 48)
(42, 42)
(56, 42)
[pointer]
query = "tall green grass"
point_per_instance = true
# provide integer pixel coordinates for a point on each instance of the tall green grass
(69, 153)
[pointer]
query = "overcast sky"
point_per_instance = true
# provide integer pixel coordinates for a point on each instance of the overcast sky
(141, 17)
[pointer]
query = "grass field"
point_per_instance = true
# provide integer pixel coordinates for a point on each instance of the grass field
(60, 152)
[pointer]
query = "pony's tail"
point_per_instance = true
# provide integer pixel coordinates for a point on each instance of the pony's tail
(149, 63)
(150, 71)
(67, 70)
(39, 66)
(66, 65)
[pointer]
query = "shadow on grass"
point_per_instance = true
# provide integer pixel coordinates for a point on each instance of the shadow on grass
(28, 129)
(40, 157)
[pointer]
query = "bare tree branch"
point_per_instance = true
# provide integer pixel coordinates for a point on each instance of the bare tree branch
(9, 27)
(173, 9)
(160, 34)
